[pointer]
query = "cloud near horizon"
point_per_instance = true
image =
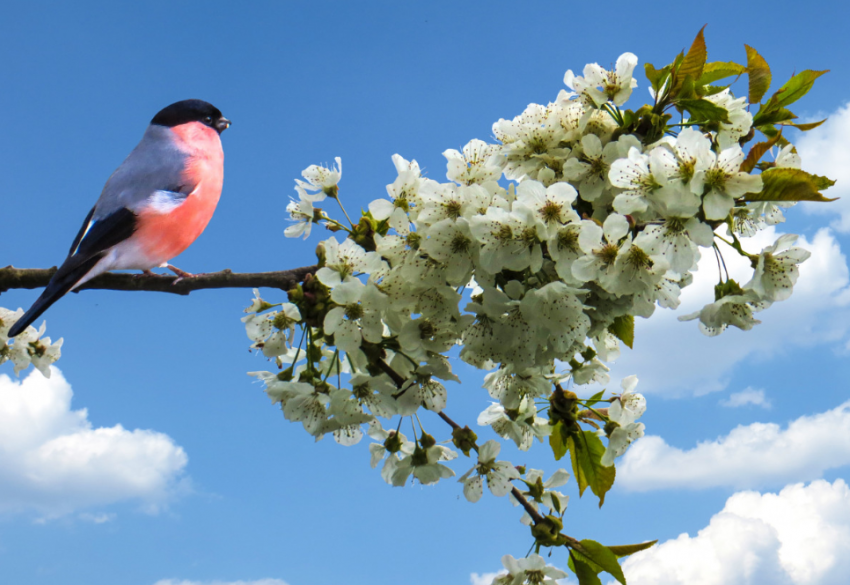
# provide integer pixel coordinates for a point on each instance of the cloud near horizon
(750, 456)
(799, 536)
(55, 462)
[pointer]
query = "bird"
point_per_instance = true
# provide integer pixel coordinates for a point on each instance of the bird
(155, 204)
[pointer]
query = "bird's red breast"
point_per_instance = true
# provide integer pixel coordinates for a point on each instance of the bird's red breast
(163, 234)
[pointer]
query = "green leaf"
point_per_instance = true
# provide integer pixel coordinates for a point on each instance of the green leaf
(623, 328)
(772, 115)
(584, 572)
(588, 450)
(602, 556)
(704, 110)
(718, 70)
(772, 132)
(578, 470)
(557, 441)
(595, 398)
(796, 87)
(687, 90)
(803, 127)
(694, 61)
(624, 550)
(822, 183)
(713, 89)
(756, 152)
(759, 73)
(790, 185)
(657, 77)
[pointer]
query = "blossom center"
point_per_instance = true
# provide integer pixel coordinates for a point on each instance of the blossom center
(453, 209)
(353, 312)
(505, 233)
(551, 211)
(716, 179)
(608, 253)
(568, 240)
(687, 168)
(637, 258)
(460, 244)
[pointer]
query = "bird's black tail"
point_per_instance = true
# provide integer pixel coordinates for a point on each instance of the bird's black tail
(71, 271)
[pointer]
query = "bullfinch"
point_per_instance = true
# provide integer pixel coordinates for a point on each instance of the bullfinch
(152, 207)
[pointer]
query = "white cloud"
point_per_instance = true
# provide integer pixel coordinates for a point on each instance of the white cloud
(484, 579)
(674, 358)
(96, 518)
(54, 462)
(825, 151)
(257, 582)
(759, 454)
(747, 396)
(800, 536)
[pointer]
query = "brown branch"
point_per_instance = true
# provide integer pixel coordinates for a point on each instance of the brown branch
(536, 516)
(389, 371)
(29, 278)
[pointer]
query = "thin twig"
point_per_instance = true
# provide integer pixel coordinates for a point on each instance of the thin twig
(29, 278)
(535, 515)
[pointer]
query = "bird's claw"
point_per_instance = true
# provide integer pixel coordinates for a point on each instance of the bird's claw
(181, 274)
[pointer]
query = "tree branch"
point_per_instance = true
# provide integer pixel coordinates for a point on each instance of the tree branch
(29, 278)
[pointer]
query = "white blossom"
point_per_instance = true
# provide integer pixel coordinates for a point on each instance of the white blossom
(776, 271)
(532, 570)
(726, 183)
(497, 473)
(598, 85)
(321, 181)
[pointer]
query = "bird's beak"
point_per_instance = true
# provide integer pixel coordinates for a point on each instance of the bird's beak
(222, 124)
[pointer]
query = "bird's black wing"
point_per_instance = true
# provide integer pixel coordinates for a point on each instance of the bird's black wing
(90, 245)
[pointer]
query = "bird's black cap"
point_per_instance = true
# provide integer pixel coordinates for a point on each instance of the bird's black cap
(191, 111)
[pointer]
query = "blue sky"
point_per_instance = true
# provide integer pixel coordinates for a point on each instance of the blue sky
(244, 495)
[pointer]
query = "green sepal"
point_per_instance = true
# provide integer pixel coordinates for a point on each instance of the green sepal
(464, 439)
(791, 185)
(595, 398)
(759, 73)
(727, 288)
(547, 532)
(623, 328)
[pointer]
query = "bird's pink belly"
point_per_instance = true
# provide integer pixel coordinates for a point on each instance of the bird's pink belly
(162, 236)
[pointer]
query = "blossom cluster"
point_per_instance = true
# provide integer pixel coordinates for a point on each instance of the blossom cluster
(532, 278)
(30, 347)
(534, 257)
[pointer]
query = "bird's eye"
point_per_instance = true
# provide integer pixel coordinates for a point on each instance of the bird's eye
(208, 120)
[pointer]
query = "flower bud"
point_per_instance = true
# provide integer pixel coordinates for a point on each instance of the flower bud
(547, 532)
(464, 439)
(427, 441)
(393, 443)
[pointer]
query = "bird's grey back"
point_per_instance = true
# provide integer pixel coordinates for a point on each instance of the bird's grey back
(156, 164)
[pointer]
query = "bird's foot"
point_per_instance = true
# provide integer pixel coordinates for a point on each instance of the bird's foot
(181, 274)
